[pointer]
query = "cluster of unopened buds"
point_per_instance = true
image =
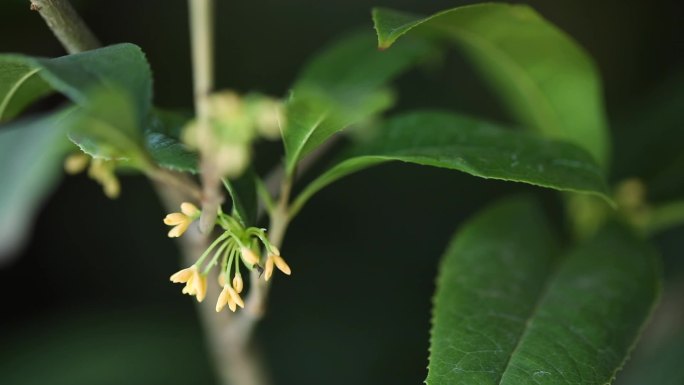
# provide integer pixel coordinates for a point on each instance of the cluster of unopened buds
(237, 245)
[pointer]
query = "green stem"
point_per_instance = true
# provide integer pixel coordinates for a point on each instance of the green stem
(665, 216)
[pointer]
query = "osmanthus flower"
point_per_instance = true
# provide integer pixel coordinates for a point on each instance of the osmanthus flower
(279, 262)
(182, 220)
(229, 296)
(195, 282)
(237, 246)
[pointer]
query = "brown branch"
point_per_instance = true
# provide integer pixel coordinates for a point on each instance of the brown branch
(65, 23)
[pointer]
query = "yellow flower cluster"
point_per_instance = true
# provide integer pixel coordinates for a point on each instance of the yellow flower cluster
(236, 244)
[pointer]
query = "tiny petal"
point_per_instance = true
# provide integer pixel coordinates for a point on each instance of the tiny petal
(268, 270)
(183, 275)
(223, 299)
(281, 264)
(188, 289)
(249, 257)
(189, 209)
(238, 284)
(200, 285)
(174, 219)
(236, 297)
(178, 230)
(222, 279)
(231, 304)
(190, 286)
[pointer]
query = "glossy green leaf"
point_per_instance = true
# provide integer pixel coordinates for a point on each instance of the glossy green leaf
(170, 153)
(507, 311)
(24, 79)
(163, 129)
(243, 193)
(31, 155)
(473, 146)
(548, 82)
(340, 87)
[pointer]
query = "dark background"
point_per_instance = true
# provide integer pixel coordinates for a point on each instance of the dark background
(88, 300)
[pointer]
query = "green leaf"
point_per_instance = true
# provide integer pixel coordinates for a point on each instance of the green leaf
(473, 146)
(107, 128)
(506, 312)
(342, 86)
(243, 192)
(19, 86)
(163, 129)
(30, 166)
(548, 82)
(24, 79)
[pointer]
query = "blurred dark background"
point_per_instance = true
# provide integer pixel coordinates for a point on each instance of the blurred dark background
(88, 300)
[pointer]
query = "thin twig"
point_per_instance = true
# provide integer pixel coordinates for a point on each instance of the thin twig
(202, 44)
(65, 23)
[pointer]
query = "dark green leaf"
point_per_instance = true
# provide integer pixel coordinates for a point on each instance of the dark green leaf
(107, 128)
(473, 146)
(340, 87)
(243, 193)
(543, 76)
(163, 129)
(504, 314)
(121, 66)
(170, 153)
(32, 153)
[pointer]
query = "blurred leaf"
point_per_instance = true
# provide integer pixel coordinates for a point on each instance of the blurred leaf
(243, 192)
(107, 128)
(473, 146)
(340, 87)
(123, 66)
(19, 86)
(163, 129)
(542, 75)
(504, 315)
(30, 166)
